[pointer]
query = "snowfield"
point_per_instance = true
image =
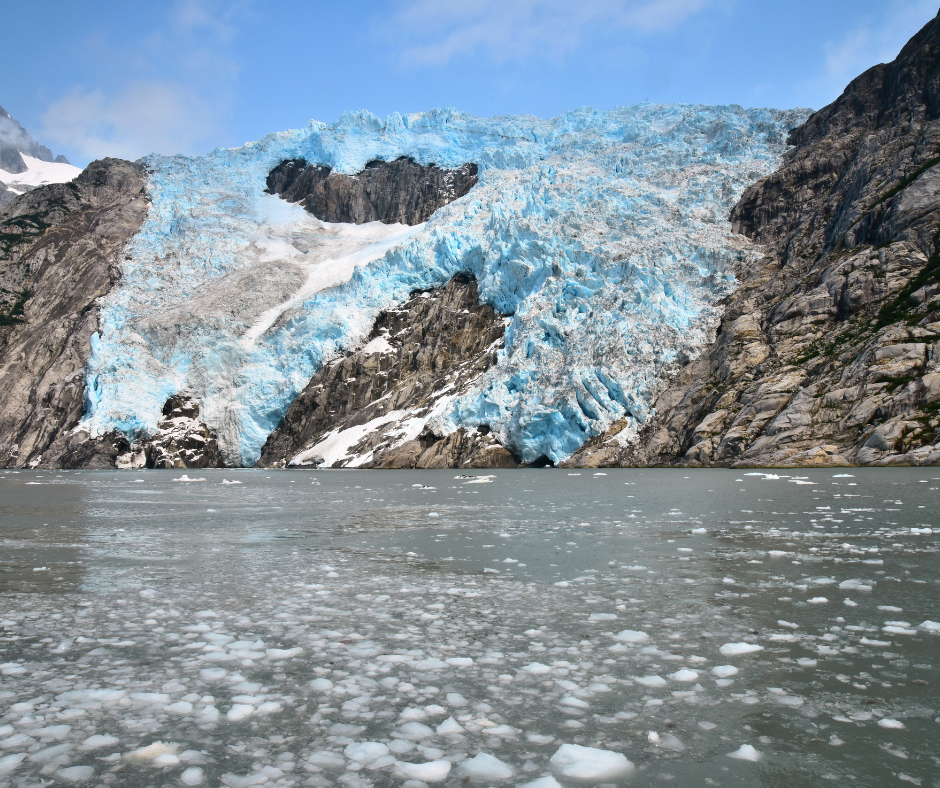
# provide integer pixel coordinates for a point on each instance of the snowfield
(604, 235)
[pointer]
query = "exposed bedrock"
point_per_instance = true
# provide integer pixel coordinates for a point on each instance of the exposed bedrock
(399, 191)
(369, 407)
(60, 246)
(181, 440)
(829, 353)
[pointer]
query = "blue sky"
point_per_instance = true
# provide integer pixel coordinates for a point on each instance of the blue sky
(103, 77)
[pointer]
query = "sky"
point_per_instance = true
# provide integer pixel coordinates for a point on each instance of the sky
(117, 78)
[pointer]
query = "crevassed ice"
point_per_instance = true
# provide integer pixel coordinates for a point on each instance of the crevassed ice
(604, 234)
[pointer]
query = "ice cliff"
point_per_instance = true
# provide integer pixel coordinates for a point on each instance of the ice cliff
(604, 234)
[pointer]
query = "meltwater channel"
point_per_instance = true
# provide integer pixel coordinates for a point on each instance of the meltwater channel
(545, 627)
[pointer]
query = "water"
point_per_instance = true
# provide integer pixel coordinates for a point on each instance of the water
(163, 632)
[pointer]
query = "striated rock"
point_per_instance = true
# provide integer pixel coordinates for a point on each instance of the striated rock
(399, 191)
(370, 407)
(829, 352)
(59, 249)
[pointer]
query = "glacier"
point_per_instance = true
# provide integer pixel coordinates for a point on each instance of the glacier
(603, 234)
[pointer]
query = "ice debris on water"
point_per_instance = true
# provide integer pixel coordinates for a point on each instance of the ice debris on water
(590, 764)
(733, 649)
(603, 234)
(746, 753)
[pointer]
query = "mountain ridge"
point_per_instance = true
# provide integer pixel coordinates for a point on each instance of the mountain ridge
(630, 321)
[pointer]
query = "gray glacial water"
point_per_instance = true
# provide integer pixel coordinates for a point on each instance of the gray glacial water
(389, 628)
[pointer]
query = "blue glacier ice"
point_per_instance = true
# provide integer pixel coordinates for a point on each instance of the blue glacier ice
(603, 234)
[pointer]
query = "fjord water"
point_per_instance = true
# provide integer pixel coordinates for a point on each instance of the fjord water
(716, 627)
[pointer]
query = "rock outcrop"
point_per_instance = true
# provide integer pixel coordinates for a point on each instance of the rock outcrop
(59, 251)
(369, 408)
(182, 440)
(829, 353)
(401, 191)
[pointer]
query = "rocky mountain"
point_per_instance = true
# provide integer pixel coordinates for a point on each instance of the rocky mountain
(369, 408)
(653, 285)
(60, 250)
(829, 352)
(394, 192)
(24, 163)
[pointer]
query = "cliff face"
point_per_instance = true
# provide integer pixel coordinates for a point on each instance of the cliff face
(59, 250)
(829, 353)
(369, 408)
(399, 191)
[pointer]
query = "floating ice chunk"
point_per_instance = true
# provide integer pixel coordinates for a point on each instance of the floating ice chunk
(151, 751)
(435, 514)
(9, 762)
(226, 481)
(723, 671)
(602, 617)
(75, 774)
(97, 741)
(590, 764)
(321, 685)
(705, 725)
(877, 643)
(456, 699)
(239, 712)
(746, 753)
(931, 626)
(684, 675)
(166, 759)
(180, 707)
(887, 722)
(283, 653)
(856, 585)
(365, 752)
(577, 703)
(543, 782)
(733, 649)
(327, 759)
(631, 636)
(485, 768)
(806, 662)
(415, 731)
(898, 630)
(194, 775)
(185, 478)
(459, 662)
(699, 530)
(57, 732)
(430, 772)
(849, 603)
(817, 600)
(432, 663)
(449, 727)
(890, 609)
(651, 681)
(410, 713)
(209, 714)
(15, 741)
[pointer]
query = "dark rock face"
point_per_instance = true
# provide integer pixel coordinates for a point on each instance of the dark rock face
(400, 191)
(435, 344)
(181, 440)
(829, 353)
(59, 248)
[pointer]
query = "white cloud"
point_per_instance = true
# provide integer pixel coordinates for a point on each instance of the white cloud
(872, 41)
(143, 117)
(505, 30)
